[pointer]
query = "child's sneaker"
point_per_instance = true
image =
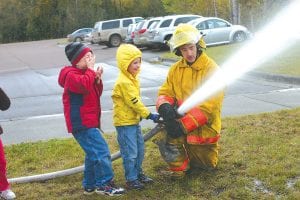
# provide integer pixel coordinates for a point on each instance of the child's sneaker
(89, 191)
(145, 179)
(7, 194)
(110, 189)
(136, 185)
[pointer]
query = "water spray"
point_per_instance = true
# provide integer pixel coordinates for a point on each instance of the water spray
(279, 34)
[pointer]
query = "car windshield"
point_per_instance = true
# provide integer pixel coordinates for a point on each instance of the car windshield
(130, 28)
(140, 25)
(153, 25)
(152, 22)
(184, 20)
(97, 25)
(137, 20)
(195, 21)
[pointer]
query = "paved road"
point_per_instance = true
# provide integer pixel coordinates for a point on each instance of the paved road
(28, 72)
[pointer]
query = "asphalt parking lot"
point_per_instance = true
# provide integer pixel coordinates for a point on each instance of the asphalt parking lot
(28, 73)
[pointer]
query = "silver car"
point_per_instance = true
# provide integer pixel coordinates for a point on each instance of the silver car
(163, 30)
(130, 33)
(219, 31)
(141, 32)
(112, 32)
(80, 35)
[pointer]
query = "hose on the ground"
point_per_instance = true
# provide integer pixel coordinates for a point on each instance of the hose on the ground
(71, 171)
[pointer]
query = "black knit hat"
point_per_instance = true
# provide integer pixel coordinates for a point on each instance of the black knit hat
(75, 51)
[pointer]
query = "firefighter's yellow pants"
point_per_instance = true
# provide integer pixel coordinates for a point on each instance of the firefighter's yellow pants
(181, 156)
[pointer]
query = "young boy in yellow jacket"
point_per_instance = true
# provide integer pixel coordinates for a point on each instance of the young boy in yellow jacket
(128, 112)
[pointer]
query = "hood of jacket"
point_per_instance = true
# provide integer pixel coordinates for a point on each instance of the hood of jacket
(126, 53)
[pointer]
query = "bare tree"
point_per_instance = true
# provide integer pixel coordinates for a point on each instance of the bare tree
(215, 8)
(234, 11)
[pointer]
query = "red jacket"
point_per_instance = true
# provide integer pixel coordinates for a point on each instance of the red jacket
(81, 98)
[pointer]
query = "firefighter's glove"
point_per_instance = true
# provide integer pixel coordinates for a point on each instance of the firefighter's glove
(174, 129)
(167, 112)
(154, 117)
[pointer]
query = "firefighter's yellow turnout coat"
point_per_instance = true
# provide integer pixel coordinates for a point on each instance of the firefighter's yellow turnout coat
(198, 147)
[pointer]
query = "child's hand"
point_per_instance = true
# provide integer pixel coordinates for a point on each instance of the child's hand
(99, 73)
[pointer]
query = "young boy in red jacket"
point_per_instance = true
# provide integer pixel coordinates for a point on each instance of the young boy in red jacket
(81, 100)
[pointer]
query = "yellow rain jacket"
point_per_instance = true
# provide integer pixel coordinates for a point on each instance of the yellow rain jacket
(128, 108)
(183, 80)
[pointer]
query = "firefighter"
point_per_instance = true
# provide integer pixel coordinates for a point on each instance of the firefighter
(189, 141)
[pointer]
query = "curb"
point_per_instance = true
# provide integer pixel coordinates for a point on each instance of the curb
(276, 77)
(267, 76)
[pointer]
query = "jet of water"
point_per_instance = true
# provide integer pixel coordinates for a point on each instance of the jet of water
(282, 32)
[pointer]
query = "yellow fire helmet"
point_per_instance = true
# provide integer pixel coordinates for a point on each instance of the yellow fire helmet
(185, 34)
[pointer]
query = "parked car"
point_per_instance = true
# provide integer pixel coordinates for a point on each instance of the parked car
(163, 30)
(130, 33)
(79, 35)
(112, 32)
(219, 31)
(141, 32)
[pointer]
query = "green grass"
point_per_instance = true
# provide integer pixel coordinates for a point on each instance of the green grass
(259, 156)
(62, 41)
(286, 63)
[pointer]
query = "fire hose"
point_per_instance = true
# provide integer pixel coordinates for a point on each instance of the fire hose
(71, 171)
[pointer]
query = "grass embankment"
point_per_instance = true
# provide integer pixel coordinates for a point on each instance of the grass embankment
(259, 159)
(286, 63)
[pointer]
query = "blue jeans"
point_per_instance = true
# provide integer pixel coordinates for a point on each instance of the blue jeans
(97, 165)
(131, 144)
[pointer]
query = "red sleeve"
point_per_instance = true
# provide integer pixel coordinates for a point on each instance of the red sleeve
(81, 83)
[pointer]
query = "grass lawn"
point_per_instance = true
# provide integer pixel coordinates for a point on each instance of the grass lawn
(286, 63)
(259, 159)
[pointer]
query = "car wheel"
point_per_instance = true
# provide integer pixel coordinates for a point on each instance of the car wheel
(106, 43)
(78, 39)
(239, 37)
(115, 41)
(165, 46)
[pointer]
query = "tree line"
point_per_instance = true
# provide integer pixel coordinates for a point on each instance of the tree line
(27, 20)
